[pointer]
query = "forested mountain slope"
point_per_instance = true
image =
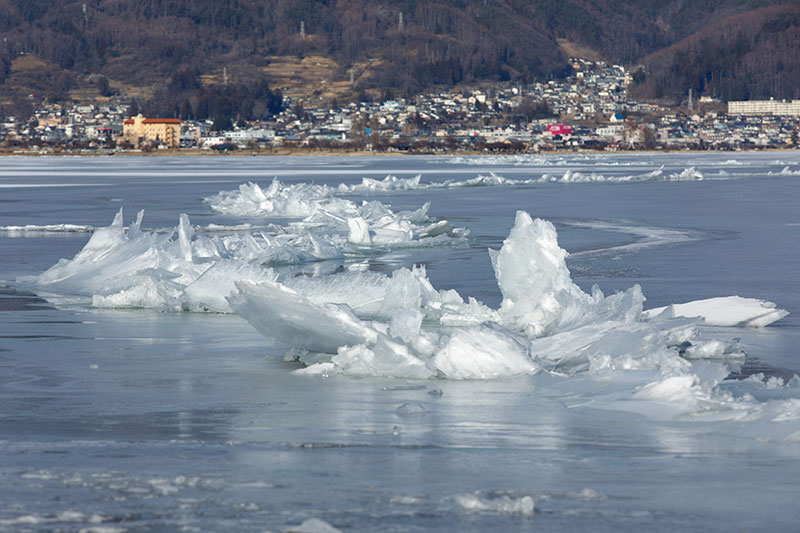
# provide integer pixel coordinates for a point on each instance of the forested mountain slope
(754, 55)
(723, 47)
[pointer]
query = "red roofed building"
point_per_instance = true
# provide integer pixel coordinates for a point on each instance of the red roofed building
(166, 131)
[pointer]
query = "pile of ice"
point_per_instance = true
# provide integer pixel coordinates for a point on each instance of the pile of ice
(300, 200)
(492, 180)
(368, 224)
(366, 323)
(170, 270)
(185, 269)
(570, 176)
(296, 200)
(389, 183)
(688, 174)
(406, 328)
(656, 363)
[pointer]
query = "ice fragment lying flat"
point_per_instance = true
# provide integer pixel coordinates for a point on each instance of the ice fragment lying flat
(313, 525)
(292, 320)
(725, 311)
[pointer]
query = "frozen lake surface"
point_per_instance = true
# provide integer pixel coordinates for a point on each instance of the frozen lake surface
(133, 398)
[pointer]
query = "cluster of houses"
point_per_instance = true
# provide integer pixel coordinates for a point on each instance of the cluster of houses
(588, 110)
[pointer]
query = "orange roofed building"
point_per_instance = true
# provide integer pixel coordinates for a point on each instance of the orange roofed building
(166, 131)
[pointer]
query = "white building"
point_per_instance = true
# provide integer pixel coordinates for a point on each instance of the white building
(614, 132)
(250, 135)
(765, 107)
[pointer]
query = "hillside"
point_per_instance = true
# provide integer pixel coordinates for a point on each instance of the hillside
(755, 55)
(343, 49)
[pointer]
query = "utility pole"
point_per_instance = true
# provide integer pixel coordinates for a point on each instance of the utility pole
(303, 30)
(691, 104)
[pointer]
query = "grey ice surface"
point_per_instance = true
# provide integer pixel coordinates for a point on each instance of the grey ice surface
(148, 421)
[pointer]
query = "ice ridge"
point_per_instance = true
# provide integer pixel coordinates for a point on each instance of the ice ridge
(301, 200)
(409, 329)
(186, 269)
(357, 322)
(661, 364)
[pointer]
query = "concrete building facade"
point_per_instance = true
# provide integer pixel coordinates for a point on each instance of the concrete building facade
(166, 131)
(765, 107)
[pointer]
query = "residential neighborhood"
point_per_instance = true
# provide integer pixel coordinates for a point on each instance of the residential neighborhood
(589, 110)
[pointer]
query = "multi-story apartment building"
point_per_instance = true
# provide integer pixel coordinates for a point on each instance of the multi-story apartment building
(161, 130)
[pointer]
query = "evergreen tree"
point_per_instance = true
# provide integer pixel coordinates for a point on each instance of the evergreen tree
(222, 123)
(103, 87)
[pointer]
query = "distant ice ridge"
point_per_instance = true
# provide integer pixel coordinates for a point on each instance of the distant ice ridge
(48, 228)
(516, 159)
(369, 224)
(300, 200)
(392, 183)
(303, 200)
(569, 176)
(297, 200)
(786, 171)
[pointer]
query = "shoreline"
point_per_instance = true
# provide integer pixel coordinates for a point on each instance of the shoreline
(356, 153)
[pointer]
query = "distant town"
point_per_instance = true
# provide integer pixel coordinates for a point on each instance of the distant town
(590, 110)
